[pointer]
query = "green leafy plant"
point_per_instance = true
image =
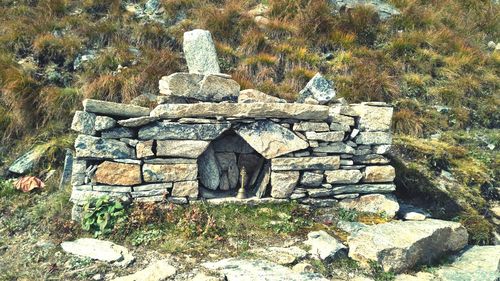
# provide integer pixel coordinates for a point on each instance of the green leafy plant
(100, 215)
(6, 188)
(348, 215)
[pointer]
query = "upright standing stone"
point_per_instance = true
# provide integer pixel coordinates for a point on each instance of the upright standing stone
(67, 170)
(199, 51)
(209, 169)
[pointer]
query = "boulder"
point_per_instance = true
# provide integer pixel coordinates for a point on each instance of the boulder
(343, 176)
(283, 183)
(186, 189)
(27, 161)
(379, 174)
(199, 51)
(250, 270)
(114, 109)
(98, 148)
(169, 172)
(373, 203)
(113, 173)
(156, 271)
(252, 95)
(306, 163)
(324, 246)
(242, 110)
(103, 123)
(318, 88)
(181, 148)
(175, 131)
(364, 188)
(270, 139)
(401, 245)
(99, 250)
(84, 122)
(209, 169)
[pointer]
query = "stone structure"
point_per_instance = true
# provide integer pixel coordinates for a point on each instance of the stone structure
(195, 144)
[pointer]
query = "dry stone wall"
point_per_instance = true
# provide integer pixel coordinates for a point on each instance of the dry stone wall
(207, 140)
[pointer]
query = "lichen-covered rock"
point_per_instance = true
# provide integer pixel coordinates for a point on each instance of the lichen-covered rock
(175, 131)
(137, 121)
(114, 109)
(379, 174)
(270, 139)
(306, 126)
(401, 245)
(117, 133)
(152, 186)
(335, 147)
(103, 123)
(343, 176)
(385, 10)
(199, 51)
(370, 159)
(374, 138)
(209, 169)
(373, 118)
(324, 246)
(144, 149)
(252, 95)
(217, 88)
(311, 179)
(306, 163)
(325, 136)
(318, 88)
(113, 173)
(99, 250)
(98, 148)
(84, 122)
(373, 203)
(364, 188)
(156, 271)
(228, 165)
(181, 148)
(169, 172)
(283, 183)
(185, 189)
(27, 161)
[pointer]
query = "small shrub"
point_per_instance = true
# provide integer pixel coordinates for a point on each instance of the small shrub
(407, 122)
(100, 215)
(348, 215)
(7, 188)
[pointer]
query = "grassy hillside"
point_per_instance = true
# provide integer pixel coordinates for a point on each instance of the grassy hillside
(431, 62)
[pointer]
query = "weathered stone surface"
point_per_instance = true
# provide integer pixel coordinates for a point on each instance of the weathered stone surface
(318, 88)
(137, 121)
(169, 172)
(335, 117)
(474, 263)
(364, 188)
(209, 169)
(385, 10)
(373, 203)
(174, 131)
(379, 174)
(114, 109)
(113, 173)
(79, 171)
(98, 250)
(98, 148)
(181, 84)
(401, 245)
(339, 127)
(374, 138)
(306, 163)
(311, 179)
(270, 139)
(320, 192)
(283, 183)
(250, 110)
(306, 126)
(27, 161)
(381, 149)
(373, 118)
(81, 196)
(232, 143)
(370, 159)
(84, 122)
(181, 148)
(324, 246)
(343, 176)
(156, 271)
(263, 180)
(103, 123)
(252, 95)
(337, 147)
(229, 169)
(67, 169)
(325, 136)
(144, 149)
(216, 88)
(185, 189)
(112, 188)
(199, 51)
(170, 161)
(251, 270)
(117, 133)
(279, 255)
(152, 186)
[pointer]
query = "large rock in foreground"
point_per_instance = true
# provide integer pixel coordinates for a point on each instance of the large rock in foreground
(156, 271)
(399, 246)
(251, 270)
(99, 250)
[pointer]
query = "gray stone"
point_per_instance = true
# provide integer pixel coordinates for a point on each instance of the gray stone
(374, 138)
(78, 172)
(370, 159)
(174, 131)
(156, 271)
(401, 245)
(144, 149)
(242, 110)
(311, 179)
(306, 126)
(103, 123)
(343, 176)
(263, 180)
(384, 9)
(181, 148)
(149, 193)
(209, 169)
(381, 149)
(232, 143)
(364, 188)
(98, 148)
(270, 139)
(346, 196)
(169, 172)
(318, 88)
(373, 118)
(252, 95)
(216, 88)
(114, 109)
(28, 161)
(306, 163)
(251, 270)
(373, 203)
(325, 136)
(320, 192)
(280, 255)
(228, 165)
(324, 246)
(379, 174)
(337, 147)
(199, 51)
(182, 85)
(153, 186)
(83, 122)
(337, 118)
(99, 250)
(67, 169)
(137, 121)
(110, 188)
(170, 161)
(197, 121)
(117, 133)
(186, 189)
(339, 127)
(283, 183)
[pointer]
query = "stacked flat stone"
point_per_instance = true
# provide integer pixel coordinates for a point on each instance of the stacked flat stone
(206, 139)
